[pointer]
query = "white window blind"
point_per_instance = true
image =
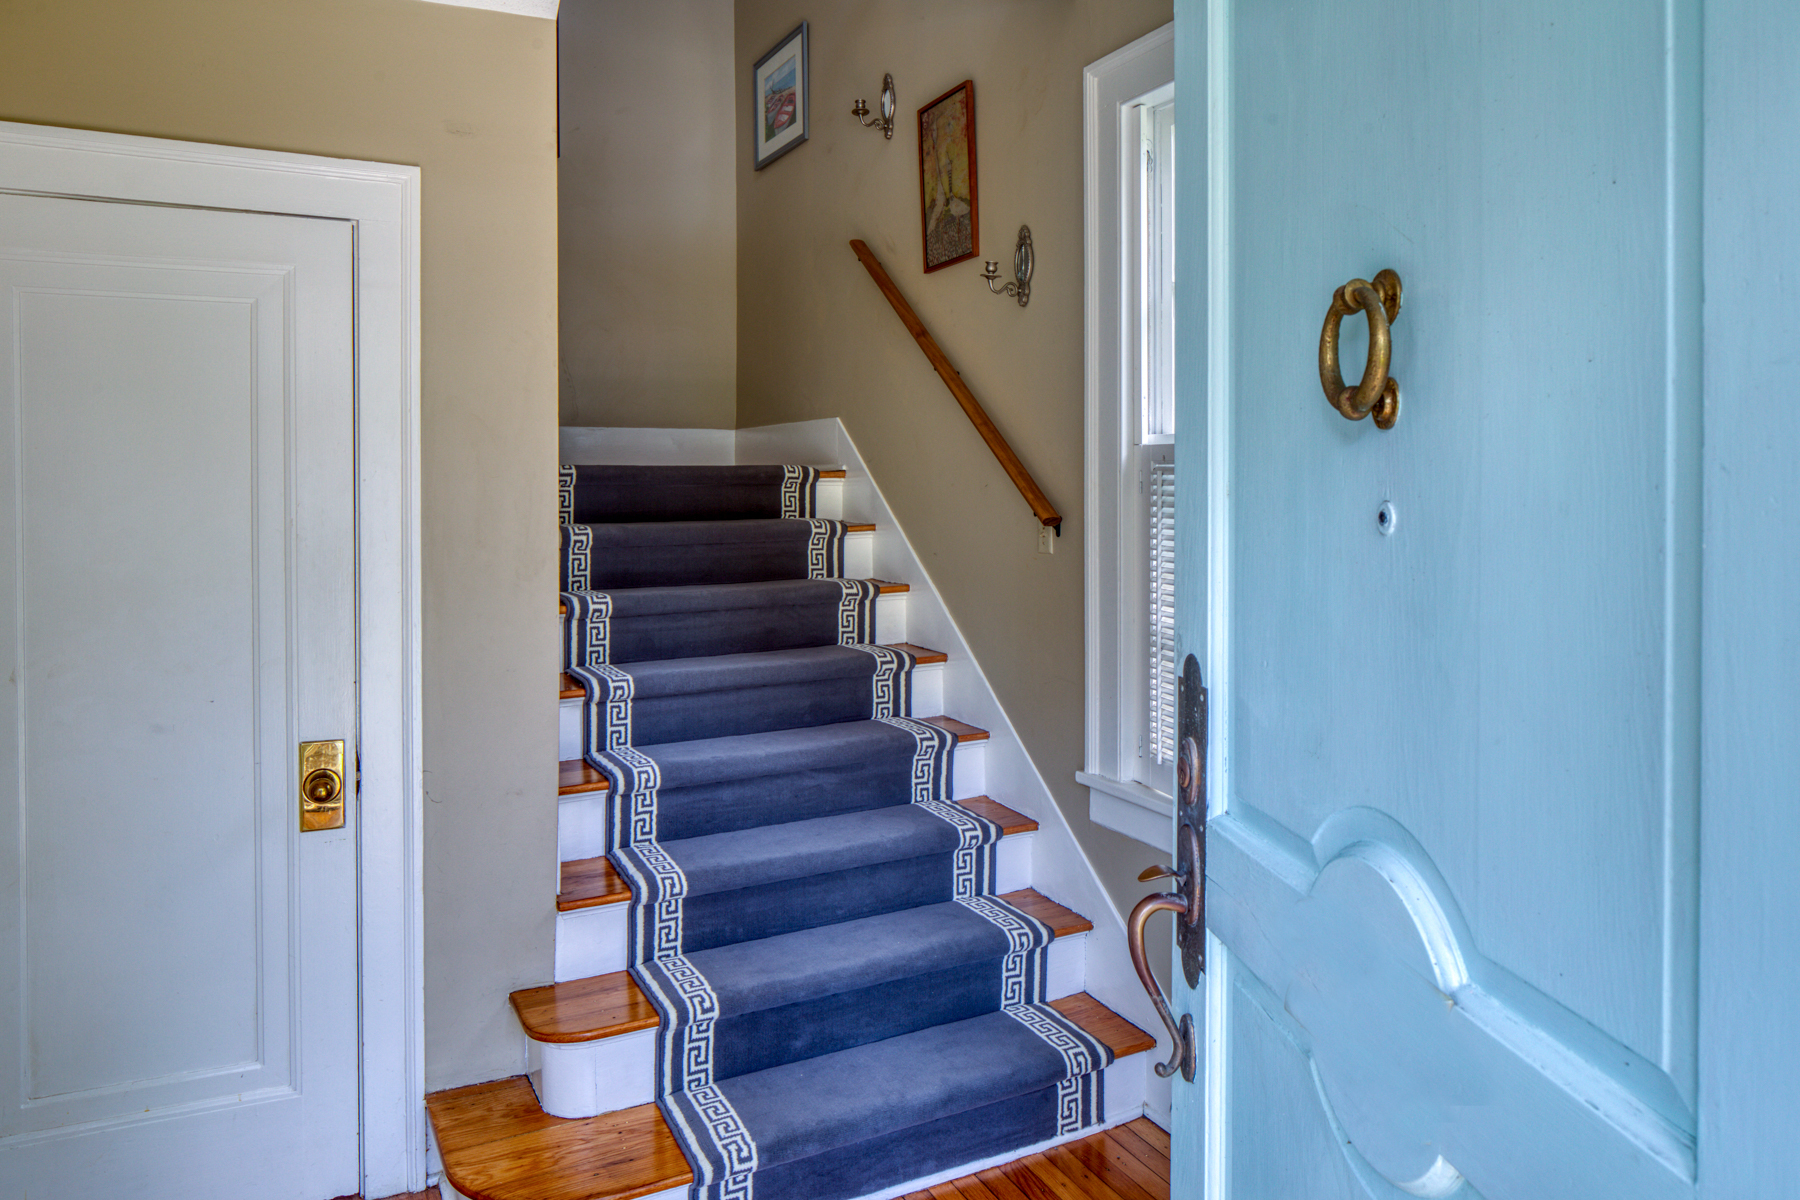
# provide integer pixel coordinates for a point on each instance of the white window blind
(1161, 726)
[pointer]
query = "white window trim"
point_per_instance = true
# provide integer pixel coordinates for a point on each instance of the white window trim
(1115, 801)
(383, 201)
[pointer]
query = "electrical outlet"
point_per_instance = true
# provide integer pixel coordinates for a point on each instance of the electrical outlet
(1046, 540)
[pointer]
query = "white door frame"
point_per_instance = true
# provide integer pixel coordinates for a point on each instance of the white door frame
(383, 203)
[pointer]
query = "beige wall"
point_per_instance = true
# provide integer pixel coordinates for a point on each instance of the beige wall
(469, 96)
(816, 339)
(649, 214)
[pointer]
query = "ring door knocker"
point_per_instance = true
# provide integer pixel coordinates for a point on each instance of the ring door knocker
(1189, 874)
(1378, 392)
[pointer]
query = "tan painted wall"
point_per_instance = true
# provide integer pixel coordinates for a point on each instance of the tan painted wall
(649, 214)
(469, 96)
(816, 339)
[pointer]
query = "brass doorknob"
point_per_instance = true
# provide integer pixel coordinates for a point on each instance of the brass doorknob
(1377, 392)
(322, 787)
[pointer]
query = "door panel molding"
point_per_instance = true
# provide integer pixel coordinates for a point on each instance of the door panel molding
(1357, 934)
(383, 202)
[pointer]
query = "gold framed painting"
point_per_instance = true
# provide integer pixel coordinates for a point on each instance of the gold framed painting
(948, 203)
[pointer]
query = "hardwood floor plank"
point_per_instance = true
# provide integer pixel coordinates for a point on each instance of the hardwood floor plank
(1079, 1186)
(1088, 1159)
(1134, 1145)
(1154, 1135)
(1026, 1182)
(1122, 1160)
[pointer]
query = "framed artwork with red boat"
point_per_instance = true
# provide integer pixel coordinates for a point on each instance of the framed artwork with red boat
(781, 116)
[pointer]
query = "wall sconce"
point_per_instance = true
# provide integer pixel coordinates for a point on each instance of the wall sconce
(886, 120)
(1022, 263)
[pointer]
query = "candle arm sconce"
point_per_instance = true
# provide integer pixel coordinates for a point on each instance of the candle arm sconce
(1022, 267)
(885, 122)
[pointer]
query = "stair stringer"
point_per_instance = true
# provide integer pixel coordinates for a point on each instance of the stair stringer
(1060, 868)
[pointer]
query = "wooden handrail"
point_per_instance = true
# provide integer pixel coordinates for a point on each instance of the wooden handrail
(984, 425)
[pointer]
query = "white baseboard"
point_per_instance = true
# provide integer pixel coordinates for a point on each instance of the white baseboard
(648, 447)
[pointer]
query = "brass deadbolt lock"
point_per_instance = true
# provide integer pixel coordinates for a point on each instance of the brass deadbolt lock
(321, 785)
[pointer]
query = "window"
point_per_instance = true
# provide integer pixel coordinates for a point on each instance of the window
(1130, 387)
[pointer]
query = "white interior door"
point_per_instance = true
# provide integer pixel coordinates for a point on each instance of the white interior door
(1456, 665)
(177, 586)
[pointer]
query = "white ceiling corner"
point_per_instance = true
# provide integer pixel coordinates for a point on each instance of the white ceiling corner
(523, 8)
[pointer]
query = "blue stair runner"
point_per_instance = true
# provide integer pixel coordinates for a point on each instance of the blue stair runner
(845, 1004)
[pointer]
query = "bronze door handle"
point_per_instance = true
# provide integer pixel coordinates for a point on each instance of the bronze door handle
(1182, 1032)
(1377, 392)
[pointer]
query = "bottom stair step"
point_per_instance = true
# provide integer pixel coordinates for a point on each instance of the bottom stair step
(497, 1144)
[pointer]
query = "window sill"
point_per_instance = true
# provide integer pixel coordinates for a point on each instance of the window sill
(1137, 811)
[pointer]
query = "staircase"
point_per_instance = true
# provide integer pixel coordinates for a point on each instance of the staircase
(799, 955)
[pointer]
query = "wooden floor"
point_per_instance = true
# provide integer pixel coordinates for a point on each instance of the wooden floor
(1130, 1162)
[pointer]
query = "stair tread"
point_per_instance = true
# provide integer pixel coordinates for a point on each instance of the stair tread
(591, 882)
(1062, 921)
(576, 775)
(1119, 1035)
(603, 1006)
(727, 670)
(885, 587)
(964, 731)
(497, 1144)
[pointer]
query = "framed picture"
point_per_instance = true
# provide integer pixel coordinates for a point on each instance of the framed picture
(947, 200)
(781, 114)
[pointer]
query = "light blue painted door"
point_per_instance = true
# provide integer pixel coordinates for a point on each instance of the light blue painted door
(1472, 724)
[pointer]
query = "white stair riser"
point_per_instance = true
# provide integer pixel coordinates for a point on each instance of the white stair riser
(859, 554)
(591, 941)
(828, 499)
(928, 701)
(581, 818)
(585, 1079)
(890, 618)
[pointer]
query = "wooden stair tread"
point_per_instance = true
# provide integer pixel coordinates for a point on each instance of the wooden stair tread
(964, 731)
(576, 775)
(859, 527)
(1062, 921)
(603, 1006)
(921, 654)
(885, 587)
(1009, 820)
(1104, 1024)
(585, 1010)
(590, 882)
(571, 687)
(497, 1144)
(837, 473)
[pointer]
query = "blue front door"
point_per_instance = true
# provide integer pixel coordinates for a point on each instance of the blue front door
(1462, 678)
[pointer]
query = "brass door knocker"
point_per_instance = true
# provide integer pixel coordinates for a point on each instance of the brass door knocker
(1378, 392)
